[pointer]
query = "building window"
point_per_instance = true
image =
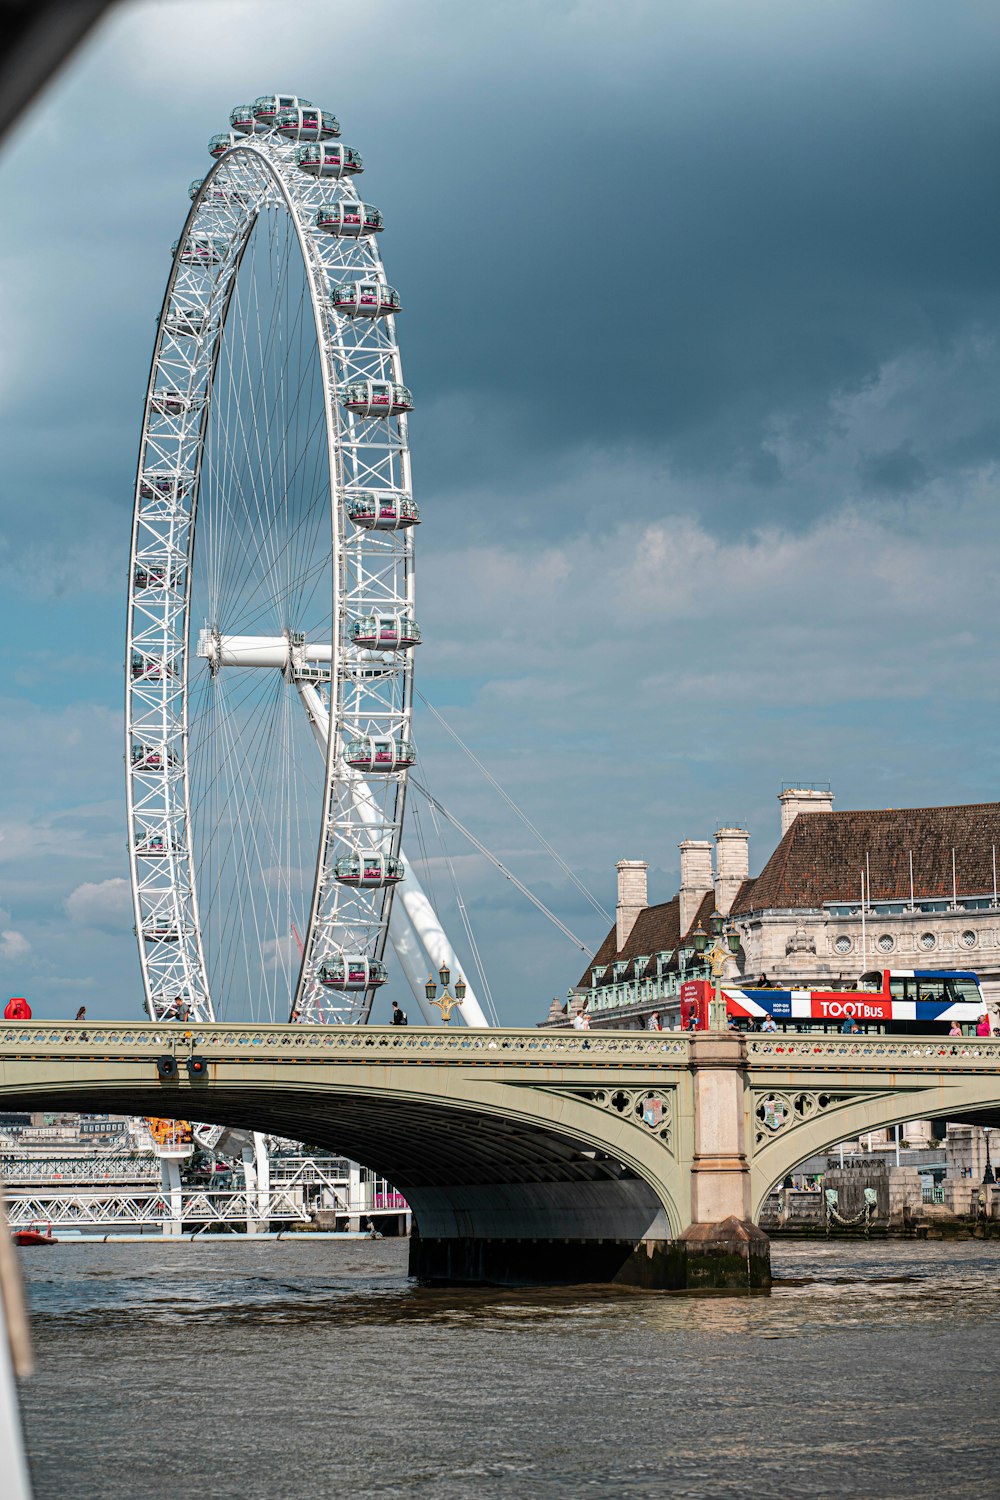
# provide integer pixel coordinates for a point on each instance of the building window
(969, 938)
(885, 943)
(842, 943)
(928, 940)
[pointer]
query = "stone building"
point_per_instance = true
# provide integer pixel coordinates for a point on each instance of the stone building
(843, 893)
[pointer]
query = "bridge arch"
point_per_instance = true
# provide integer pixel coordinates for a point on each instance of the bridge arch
(503, 1172)
(973, 1100)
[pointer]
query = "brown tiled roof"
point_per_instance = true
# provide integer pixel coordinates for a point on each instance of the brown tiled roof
(656, 929)
(822, 856)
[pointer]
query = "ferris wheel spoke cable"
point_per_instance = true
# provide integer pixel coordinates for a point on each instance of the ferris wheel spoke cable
(238, 804)
(566, 869)
(261, 791)
(253, 690)
(466, 923)
(508, 874)
(259, 474)
(299, 535)
(242, 824)
(425, 859)
(303, 532)
(231, 948)
(250, 468)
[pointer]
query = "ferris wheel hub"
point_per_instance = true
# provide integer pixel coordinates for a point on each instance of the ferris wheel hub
(288, 653)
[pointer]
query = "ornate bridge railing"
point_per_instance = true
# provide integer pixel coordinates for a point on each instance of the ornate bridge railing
(884, 1053)
(417, 1043)
(459, 1044)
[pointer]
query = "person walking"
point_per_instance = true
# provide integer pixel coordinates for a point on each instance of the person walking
(581, 1021)
(983, 1025)
(653, 1024)
(399, 1017)
(768, 1024)
(81, 1014)
(849, 1026)
(954, 1029)
(17, 1009)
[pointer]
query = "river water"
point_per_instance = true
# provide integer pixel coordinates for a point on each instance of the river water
(262, 1370)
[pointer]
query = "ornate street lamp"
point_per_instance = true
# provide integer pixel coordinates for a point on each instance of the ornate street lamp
(989, 1175)
(716, 957)
(446, 1004)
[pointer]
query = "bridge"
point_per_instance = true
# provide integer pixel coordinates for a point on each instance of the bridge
(636, 1157)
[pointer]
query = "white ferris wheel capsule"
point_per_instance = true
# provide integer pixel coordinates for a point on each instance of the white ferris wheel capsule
(271, 572)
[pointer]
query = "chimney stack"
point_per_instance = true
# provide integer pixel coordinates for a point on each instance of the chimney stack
(631, 897)
(795, 800)
(696, 878)
(732, 864)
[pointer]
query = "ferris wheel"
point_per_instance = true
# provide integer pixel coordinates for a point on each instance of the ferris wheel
(271, 627)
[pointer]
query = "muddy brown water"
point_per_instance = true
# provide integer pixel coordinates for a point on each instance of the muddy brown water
(232, 1370)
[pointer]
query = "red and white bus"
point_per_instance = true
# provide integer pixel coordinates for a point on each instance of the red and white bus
(922, 1002)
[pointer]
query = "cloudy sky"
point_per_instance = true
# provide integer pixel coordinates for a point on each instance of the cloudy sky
(702, 307)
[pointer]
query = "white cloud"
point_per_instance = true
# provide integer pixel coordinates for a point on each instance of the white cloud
(14, 946)
(106, 905)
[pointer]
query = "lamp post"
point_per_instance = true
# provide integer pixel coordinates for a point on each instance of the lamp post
(716, 957)
(988, 1175)
(446, 1004)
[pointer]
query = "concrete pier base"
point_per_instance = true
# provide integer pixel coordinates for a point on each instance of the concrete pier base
(732, 1257)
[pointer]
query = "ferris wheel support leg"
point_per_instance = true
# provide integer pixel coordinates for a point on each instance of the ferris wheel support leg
(406, 946)
(170, 1177)
(435, 940)
(414, 928)
(249, 1159)
(422, 919)
(263, 1164)
(402, 935)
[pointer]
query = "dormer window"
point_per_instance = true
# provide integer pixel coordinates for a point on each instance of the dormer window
(640, 963)
(596, 975)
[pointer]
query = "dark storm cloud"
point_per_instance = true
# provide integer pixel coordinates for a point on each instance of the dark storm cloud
(676, 263)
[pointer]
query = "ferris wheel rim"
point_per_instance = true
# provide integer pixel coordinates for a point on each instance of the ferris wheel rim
(240, 238)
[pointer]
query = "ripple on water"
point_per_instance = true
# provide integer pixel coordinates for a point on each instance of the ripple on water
(308, 1369)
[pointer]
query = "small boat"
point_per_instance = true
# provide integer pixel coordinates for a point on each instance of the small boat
(34, 1235)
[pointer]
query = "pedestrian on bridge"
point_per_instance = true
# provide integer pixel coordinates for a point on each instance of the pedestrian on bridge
(81, 1014)
(399, 1017)
(653, 1024)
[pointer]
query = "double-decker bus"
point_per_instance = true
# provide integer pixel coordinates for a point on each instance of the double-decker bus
(923, 1002)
